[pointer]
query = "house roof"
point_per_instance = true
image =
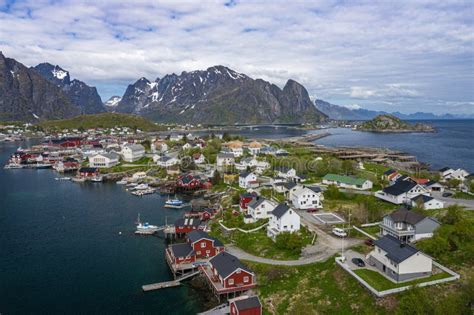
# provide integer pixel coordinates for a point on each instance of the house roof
(245, 174)
(247, 303)
(88, 169)
(110, 155)
(289, 185)
(345, 179)
(396, 250)
(135, 147)
(316, 189)
(225, 156)
(400, 187)
(181, 250)
(255, 144)
(198, 234)
(226, 264)
(423, 198)
(390, 171)
(280, 210)
(407, 216)
(187, 222)
(256, 202)
(444, 169)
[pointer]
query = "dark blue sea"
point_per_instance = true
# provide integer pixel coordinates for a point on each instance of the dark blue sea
(61, 252)
(60, 248)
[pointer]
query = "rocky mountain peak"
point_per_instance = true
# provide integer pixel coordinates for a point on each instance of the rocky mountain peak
(55, 74)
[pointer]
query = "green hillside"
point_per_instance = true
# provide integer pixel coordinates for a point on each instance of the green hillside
(103, 120)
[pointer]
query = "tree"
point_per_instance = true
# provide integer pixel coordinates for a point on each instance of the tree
(454, 183)
(216, 179)
(348, 167)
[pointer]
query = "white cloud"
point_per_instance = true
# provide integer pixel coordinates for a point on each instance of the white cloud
(330, 47)
(353, 106)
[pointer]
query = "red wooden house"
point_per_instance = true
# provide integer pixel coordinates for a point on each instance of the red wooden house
(180, 254)
(203, 214)
(203, 245)
(245, 198)
(88, 171)
(227, 274)
(188, 182)
(186, 225)
(244, 305)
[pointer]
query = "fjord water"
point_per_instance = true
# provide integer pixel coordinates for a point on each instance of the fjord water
(61, 252)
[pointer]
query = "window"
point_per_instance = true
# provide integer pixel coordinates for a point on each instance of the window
(203, 245)
(198, 252)
(238, 271)
(208, 251)
(246, 279)
(231, 281)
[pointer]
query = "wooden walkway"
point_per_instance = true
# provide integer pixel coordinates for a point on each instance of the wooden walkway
(168, 284)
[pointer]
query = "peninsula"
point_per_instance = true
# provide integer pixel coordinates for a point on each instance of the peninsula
(390, 123)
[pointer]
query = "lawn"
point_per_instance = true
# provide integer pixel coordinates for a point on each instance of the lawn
(372, 230)
(259, 244)
(380, 283)
(319, 288)
(463, 195)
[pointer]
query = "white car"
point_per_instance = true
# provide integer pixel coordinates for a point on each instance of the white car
(339, 232)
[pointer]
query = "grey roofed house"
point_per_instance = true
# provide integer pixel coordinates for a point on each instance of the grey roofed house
(111, 155)
(244, 174)
(198, 235)
(290, 185)
(256, 202)
(181, 250)
(390, 171)
(280, 210)
(226, 264)
(399, 188)
(135, 147)
(248, 303)
(188, 222)
(395, 249)
(422, 198)
(406, 216)
(225, 156)
(444, 169)
(316, 189)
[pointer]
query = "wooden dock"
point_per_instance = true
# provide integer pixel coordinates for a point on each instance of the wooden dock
(168, 284)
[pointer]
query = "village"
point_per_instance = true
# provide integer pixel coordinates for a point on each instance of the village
(250, 201)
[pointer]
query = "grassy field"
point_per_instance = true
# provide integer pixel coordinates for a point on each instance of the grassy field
(463, 195)
(380, 283)
(259, 244)
(319, 288)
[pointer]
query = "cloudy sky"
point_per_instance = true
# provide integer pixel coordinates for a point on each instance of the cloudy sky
(403, 56)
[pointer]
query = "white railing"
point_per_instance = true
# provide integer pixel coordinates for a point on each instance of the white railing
(241, 230)
(454, 276)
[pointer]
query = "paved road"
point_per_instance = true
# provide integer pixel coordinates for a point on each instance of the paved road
(468, 203)
(325, 247)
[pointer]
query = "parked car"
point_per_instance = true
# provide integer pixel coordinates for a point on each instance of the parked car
(358, 262)
(369, 242)
(447, 194)
(339, 232)
(311, 210)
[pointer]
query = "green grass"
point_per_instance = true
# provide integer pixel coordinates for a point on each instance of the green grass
(380, 283)
(103, 120)
(463, 195)
(372, 230)
(258, 244)
(319, 288)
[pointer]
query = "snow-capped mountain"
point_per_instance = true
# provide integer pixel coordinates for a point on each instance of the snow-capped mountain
(112, 102)
(218, 95)
(81, 94)
(28, 96)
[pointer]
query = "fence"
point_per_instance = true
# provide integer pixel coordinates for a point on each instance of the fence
(454, 276)
(241, 230)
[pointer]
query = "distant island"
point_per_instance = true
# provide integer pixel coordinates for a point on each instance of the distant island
(390, 123)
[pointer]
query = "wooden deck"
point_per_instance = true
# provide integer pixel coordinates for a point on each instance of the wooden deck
(168, 284)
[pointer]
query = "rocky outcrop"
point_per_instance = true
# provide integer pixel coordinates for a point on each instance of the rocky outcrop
(390, 123)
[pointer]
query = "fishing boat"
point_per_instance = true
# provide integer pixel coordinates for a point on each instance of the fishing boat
(13, 166)
(142, 192)
(145, 228)
(122, 182)
(62, 178)
(175, 203)
(141, 187)
(96, 179)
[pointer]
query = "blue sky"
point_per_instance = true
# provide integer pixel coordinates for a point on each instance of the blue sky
(403, 56)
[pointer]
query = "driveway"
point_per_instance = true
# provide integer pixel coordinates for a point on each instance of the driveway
(468, 203)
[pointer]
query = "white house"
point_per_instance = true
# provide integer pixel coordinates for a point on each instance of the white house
(248, 180)
(399, 261)
(165, 161)
(254, 147)
(433, 186)
(246, 162)
(427, 202)
(159, 146)
(303, 197)
(408, 226)
(448, 173)
(260, 208)
(349, 182)
(287, 173)
(132, 152)
(225, 159)
(176, 137)
(104, 160)
(282, 219)
(402, 192)
(186, 146)
(199, 158)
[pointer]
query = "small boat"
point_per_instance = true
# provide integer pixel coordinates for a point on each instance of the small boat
(145, 228)
(13, 166)
(78, 179)
(39, 166)
(121, 182)
(174, 202)
(132, 185)
(141, 187)
(96, 179)
(62, 178)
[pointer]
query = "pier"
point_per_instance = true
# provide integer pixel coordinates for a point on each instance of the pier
(169, 284)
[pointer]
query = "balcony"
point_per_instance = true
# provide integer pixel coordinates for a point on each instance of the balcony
(217, 285)
(392, 230)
